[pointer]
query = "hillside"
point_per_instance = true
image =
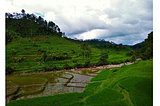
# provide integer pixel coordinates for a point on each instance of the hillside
(28, 48)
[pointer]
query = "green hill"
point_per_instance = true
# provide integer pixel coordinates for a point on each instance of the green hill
(32, 44)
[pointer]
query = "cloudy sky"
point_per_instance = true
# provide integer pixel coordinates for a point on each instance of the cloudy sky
(120, 21)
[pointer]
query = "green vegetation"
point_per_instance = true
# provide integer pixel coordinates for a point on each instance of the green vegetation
(30, 49)
(143, 50)
(126, 86)
(34, 45)
(28, 83)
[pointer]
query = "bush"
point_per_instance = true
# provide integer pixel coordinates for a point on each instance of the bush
(131, 53)
(50, 68)
(19, 59)
(13, 52)
(78, 65)
(66, 66)
(9, 70)
(133, 58)
(73, 52)
(127, 60)
(10, 35)
(44, 56)
(103, 59)
(87, 63)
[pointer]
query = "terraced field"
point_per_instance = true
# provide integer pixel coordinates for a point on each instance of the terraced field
(126, 86)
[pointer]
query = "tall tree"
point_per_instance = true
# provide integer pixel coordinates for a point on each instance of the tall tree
(23, 12)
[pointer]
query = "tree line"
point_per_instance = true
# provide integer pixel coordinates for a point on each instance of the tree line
(25, 24)
(143, 50)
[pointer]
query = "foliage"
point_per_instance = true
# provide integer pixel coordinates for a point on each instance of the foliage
(125, 86)
(144, 90)
(9, 70)
(44, 56)
(66, 66)
(86, 49)
(37, 45)
(133, 58)
(87, 63)
(103, 58)
(146, 51)
(130, 53)
(30, 25)
(10, 35)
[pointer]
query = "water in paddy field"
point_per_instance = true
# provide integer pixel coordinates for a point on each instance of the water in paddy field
(69, 81)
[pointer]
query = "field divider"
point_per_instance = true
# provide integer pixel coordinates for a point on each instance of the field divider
(29, 93)
(15, 92)
(126, 95)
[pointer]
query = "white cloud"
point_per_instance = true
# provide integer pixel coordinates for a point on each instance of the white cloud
(108, 19)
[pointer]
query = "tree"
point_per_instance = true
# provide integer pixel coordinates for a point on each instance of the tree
(84, 46)
(86, 49)
(87, 63)
(23, 12)
(9, 70)
(44, 56)
(51, 24)
(133, 58)
(103, 58)
(131, 53)
(33, 17)
(58, 29)
(146, 51)
(66, 66)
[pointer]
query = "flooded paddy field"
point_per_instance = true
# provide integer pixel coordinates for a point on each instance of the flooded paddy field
(29, 85)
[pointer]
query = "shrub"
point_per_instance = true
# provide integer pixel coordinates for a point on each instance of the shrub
(73, 52)
(127, 60)
(78, 65)
(19, 59)
(13, 52)
(103, 59)
(131, 53)
(9, 70)
(133, 58)
(10, 35)
(66, 66)
(74, 61)
(87, 63)
(44, 56)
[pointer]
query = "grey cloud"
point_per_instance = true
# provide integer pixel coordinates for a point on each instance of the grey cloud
(127, 21)
(112, 13)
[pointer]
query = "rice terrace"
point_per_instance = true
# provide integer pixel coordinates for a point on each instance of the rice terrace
(44, 67)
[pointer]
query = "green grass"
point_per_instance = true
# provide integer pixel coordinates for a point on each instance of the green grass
(141, 90)
(103, 97)
(57, 100)
(126, 86)
(27, 49)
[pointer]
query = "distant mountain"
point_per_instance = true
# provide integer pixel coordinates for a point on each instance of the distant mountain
(136, 46)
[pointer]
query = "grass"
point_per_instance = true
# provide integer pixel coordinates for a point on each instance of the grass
(103, 97)
(126, 86)
(30, 50)
(141, 90)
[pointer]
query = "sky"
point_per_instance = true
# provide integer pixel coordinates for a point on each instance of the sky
(121, 21)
